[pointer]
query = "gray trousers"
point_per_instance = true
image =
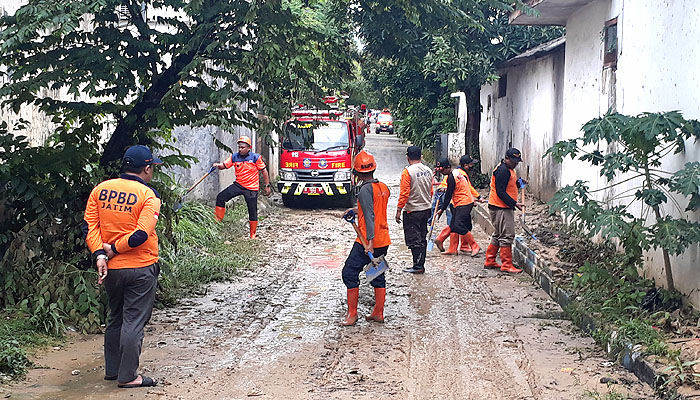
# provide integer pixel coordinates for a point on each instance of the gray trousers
(131, 293)
(503, 220)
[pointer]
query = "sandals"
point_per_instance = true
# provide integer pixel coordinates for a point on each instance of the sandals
(145, 382)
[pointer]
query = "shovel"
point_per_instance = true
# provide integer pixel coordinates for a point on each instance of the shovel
(431, 241)
(377, 265)
(178, 205)
(521, 185)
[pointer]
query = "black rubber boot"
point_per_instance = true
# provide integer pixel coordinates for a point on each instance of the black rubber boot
(417, 267)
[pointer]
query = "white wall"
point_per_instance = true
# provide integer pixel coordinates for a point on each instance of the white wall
(528, 118)
(657, 72)
(658, 56)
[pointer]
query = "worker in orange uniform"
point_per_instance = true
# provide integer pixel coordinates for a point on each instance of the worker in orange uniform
(120, 221)
(372, 201)
(414, 200)
(502, 205)
(463, 195)
(247, 166)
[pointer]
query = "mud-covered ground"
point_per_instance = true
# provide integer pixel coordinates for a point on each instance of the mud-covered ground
(457, 332)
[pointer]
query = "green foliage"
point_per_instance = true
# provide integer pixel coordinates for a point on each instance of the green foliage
(636, 146)
(417, 53)
(148, 71)
(207, 251)
(18, 336)
(13, 358)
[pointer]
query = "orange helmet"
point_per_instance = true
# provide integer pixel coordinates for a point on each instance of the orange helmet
(246, 140)
(364, 162)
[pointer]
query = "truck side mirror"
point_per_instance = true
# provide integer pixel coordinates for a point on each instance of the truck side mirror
(359, 142)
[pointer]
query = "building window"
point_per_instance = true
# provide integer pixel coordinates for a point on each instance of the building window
(502, 85)
(610, 35)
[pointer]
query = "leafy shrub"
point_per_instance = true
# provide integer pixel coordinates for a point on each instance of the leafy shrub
(13, 358)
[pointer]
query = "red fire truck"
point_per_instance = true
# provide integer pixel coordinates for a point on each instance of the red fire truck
(317, 150)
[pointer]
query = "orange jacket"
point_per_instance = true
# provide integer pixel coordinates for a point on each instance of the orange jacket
(504, 187)
(372, 202)
(246, 169)
(124, 213)
(467, 195)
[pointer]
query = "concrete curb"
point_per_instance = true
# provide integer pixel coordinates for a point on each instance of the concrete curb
(536, 267)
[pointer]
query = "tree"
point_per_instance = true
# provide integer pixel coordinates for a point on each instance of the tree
(634, 149)
(441, 47)
(142, 69)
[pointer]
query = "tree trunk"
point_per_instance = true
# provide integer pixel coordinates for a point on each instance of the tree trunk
(473, 121)
(134, 124)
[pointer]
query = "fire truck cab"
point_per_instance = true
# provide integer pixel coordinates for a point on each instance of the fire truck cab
(317, 148)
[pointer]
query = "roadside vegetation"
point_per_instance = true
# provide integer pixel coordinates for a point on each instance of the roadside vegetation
(650, 209)
(200, 250)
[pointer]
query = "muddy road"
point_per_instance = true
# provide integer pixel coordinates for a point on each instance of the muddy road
(457, 332)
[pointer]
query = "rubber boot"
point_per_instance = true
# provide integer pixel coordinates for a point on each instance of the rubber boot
(417, 267)
(491, 253)
(444, 233)
(378, 312)
(475, 249)
(454, 244)
(351, 316)
(464, 244)
(219, 212)
(507, 258)
(253, 228)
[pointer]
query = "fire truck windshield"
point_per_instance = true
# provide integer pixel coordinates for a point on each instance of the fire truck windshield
(315, 135)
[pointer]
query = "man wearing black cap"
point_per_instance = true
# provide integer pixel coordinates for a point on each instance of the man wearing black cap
(120, 220)
(415, 197)
(502, 205)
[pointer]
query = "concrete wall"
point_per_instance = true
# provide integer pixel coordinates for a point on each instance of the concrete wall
(528, 117)
(657, 44)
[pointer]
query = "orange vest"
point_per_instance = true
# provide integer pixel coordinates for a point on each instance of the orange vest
(466, 193)
(381, 227)
(124, 212)
(511, 189)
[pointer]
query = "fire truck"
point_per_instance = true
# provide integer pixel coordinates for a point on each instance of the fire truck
(317, 147)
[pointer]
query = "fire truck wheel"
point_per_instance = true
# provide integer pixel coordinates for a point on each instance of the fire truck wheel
(288, 200)
(348, 201)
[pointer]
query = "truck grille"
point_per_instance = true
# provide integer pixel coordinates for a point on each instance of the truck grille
(307, 175)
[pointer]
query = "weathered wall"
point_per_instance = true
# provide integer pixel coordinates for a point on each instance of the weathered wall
(657, 44)
(528, 117)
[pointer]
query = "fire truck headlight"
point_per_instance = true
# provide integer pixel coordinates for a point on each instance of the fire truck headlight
(288, 175)
(342, 176)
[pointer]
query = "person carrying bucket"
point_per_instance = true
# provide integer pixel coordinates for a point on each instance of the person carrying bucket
(247, 166)
(371, 211)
